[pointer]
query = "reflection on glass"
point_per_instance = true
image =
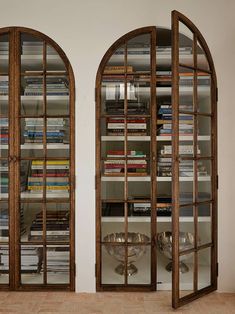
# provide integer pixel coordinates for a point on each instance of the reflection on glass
(31, 264)
(4, 136)
(204, 92)
(4, 264)
(112, 190)
(31, 221)
(139, 190)
(141, 230)
(57, 222)
(115, 65)
(143, 266)
(185, 45)
(58, 264)
(4, 91)
(109, 264)
(186, 280)
(186, 192)
(4, 223)
(202, 61)
(24, 171)
(113, 95)
(204, 224)
(4, 53)
(57, 86)
(53, 60)
(204, 268)
(204, 125)
(138, 53)
(32, 131)
(32, 86)
(112, 149)
(57, 131)
(185, 93)
(32, 53)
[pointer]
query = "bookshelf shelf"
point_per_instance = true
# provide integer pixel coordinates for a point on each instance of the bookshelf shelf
(37, 170)
(156, 148)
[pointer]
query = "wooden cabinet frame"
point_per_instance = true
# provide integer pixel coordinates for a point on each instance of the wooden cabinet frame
(14, 158)
(122, 42)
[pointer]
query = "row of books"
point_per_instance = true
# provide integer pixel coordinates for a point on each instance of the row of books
(57, 176)
(57, 226)
(135, 165)
(58, 260)
(55, 86)
(145, 50)
(135, 126)
(56, 130)
(115, 107)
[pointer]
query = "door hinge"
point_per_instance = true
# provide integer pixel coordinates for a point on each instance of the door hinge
(217, 269)
(217, 182)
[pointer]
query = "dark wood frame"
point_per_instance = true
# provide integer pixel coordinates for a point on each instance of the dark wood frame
(176, 302)
(177, 18)
(14, 159)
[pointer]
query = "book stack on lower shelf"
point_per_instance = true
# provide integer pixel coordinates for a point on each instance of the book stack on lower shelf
(57, 226)
(31, 259)
(55, 130)
(57, 176)
(135, 166)
(4, 131)
(135, 126)
(58, 259)
(55, 86)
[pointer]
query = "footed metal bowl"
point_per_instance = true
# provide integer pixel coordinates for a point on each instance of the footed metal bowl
(186, 241)
(134, 252)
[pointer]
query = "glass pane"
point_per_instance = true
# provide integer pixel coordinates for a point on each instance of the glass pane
(186, 128)
(204, 224)
(138, 53)
(113, 218)
(112, 190)
(4, 179)
(164, 117)
(4, 90)
(112, 149)
(202, 61)
(31, 264)
(112, 264)
(186, 83)
(204, 135)
(204, 180)
(115, 65)
(186, 272)
(4, 222)
(53, 60)
(139, 189)
(185, 45)
(57, 222)
(4, 53)
(31, 103)
(186, 192)
(4, 137)
(4, 264)
(32, 170)
(112, 95)
(204, 268)
(204, 92)
(58, 264)
(25, 170)
(138, 231)
(57, 178)
(57, 86)
(32, 53)
(138, 96)
(139, 264)
(57, 130)
(186, 169)
(31, 225)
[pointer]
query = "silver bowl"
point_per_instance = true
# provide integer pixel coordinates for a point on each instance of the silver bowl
(134, 252)
(186, 242)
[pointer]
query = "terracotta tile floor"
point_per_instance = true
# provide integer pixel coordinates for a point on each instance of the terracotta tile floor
(110, 303)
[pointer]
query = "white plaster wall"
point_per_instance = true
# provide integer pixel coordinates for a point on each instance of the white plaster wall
(85, 30)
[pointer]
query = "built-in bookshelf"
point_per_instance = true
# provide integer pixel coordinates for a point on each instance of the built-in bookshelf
(156, 161)
(37, 163)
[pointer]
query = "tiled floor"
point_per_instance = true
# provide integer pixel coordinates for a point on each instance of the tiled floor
(110, 303)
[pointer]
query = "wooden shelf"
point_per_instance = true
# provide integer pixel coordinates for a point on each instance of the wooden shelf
(160, 219)
(147, 138)
(148, 178)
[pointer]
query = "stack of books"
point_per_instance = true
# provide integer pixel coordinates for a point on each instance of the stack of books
(58, 259)
(57, 176)
(57, 226)
(186, 169)
(36, 48)
(4, 135)
(55, 86)
(163, 207)
(137, 165)
(4, 48)
(55, 130)
(4, 224)
(183, 150)
(164, 121)
(4, 85)
(116, 107)
(31, 259)
(4, 176)
(135, 126)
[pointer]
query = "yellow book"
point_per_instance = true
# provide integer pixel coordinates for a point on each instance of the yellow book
(51, 162)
